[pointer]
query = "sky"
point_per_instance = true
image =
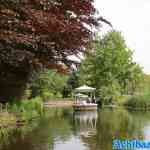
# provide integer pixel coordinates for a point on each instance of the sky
(131, 17)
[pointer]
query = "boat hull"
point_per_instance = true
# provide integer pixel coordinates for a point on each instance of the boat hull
(84, 107)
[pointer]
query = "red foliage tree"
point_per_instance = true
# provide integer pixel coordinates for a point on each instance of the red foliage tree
(40, 33)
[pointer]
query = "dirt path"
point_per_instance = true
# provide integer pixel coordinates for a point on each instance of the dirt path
(59, 103)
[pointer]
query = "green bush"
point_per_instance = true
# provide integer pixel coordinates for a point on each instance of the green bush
(47, 96)
(27, 109)
(109, 93)
(139, 101)
(121, 99)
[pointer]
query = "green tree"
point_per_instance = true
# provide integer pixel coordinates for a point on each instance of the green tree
(109, 66)
(131, 79)
(49, 82)
(72, 83)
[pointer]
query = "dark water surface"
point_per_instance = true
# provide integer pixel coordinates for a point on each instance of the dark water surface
(63, 129)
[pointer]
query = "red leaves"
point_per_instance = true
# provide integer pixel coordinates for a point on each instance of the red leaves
(50, 29)
(79, 7)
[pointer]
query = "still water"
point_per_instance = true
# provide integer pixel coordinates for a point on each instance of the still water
(64, 129)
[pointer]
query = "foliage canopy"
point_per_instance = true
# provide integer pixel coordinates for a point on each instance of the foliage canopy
(110, 67)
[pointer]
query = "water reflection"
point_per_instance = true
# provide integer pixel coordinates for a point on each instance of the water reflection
(85, 122)
(112, 124)
(63, 129)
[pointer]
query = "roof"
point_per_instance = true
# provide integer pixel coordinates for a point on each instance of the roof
(85, 88)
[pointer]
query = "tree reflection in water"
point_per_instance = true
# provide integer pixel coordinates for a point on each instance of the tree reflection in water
(113, 124)
(63, 129)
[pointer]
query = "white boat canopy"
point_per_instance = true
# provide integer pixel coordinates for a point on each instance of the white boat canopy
(81, 95)
(85, 88)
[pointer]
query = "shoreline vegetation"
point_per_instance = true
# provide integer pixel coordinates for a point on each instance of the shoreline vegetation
(18, 113)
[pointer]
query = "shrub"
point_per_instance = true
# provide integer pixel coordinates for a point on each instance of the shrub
(138, 101)
(26, 109)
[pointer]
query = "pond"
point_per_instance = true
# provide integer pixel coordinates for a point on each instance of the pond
(64, 129)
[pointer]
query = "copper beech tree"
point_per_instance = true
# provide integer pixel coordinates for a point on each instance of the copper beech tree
(40, 33)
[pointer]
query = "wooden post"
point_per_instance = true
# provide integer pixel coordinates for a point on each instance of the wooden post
(6, 107)
(94, 97)
(1, 107)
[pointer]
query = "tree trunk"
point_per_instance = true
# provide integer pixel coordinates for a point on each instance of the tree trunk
(13, 82)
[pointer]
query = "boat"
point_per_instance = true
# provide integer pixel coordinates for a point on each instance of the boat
(85, 98)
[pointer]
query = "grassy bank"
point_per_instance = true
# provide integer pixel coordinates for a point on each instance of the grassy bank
(19, 112)
(16, 117)
(26, 108)
(139, 101)
(134, 102)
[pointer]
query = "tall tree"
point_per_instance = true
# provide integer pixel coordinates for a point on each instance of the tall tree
(41, 33)
(110, 67)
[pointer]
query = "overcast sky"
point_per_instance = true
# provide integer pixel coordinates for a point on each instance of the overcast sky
(132, 18)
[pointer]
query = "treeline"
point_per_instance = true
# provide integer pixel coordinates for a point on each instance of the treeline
(107, 65)
(51, 84)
